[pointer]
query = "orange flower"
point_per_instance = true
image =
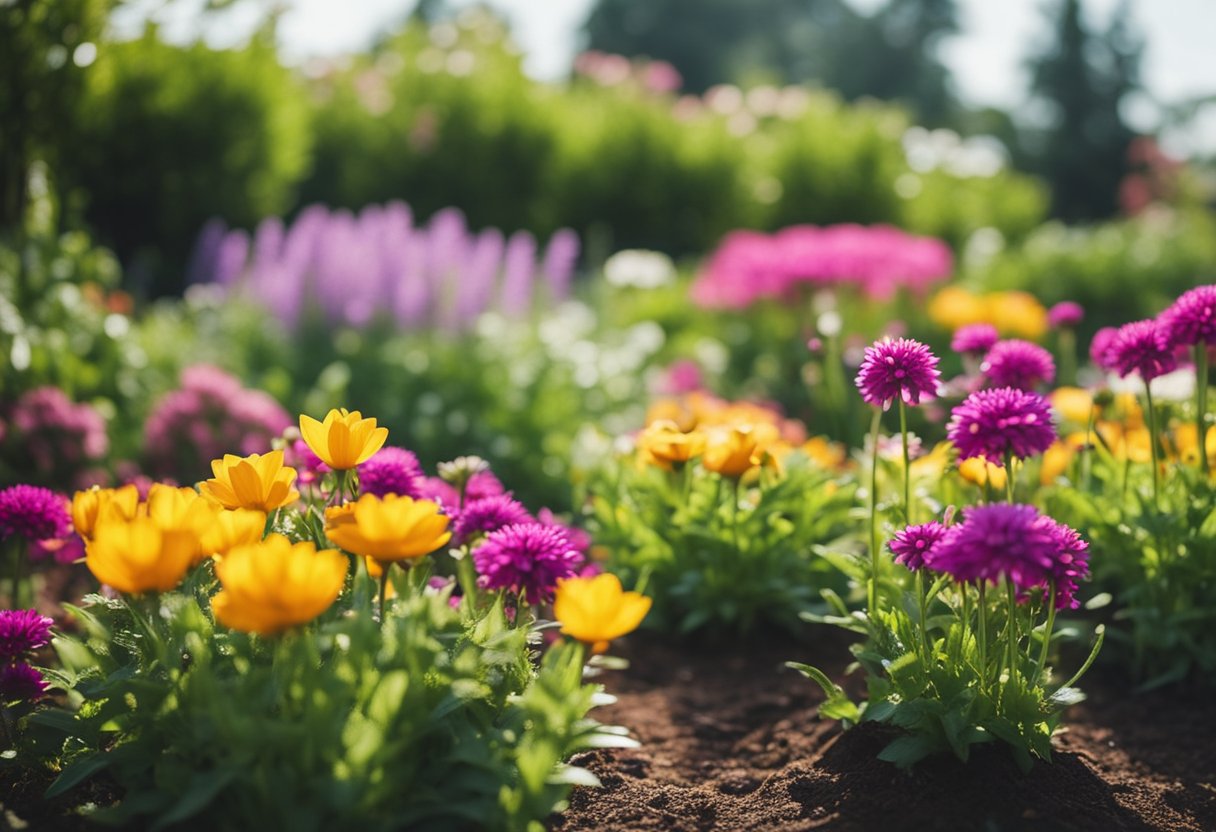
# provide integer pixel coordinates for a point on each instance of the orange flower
(272, 585)
(260, 482)
(388, 528)
(344, 440)
(667, 445)
(596, 610)
(733, 452)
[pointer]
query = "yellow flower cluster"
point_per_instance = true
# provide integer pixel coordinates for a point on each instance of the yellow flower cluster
(1012, 313)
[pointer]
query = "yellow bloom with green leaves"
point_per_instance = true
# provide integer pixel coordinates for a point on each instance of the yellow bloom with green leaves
(344, 440)
(136, 556)
(260, 482)
(273, 585)
(97, 504)
(388, 528)
(596, 610)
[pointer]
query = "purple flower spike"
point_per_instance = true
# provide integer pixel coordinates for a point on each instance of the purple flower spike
(1019, 364)
(897, 369)
(1140, 347)
(22, 632)
(974, 338)
(993, 423)
(21, 683)
(1065, 314)
(913, 545)
(528, 558)
(1191, 319)
(33, 513)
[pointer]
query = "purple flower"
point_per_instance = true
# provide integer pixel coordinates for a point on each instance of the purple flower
(974, 338)
(1070, 565)
(22, 632)
(309, 467)
(1099, 348)
(993, 423)
(913, 545)
(528, 558)
(1140, 347)
(997, 540)
(20, 683)
(33, 513)
(1016, 363)
(1065, 314)
(56, 437)
(1191, 319)
(489, 514)
(391, 470)
(900, 369)
(481, 485)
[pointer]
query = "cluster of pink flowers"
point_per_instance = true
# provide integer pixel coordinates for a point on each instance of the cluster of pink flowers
(21, 633)
(353, 268)
(878, 260)
(609, 70)
(60, 439)
(210, 415)
(1156, 346)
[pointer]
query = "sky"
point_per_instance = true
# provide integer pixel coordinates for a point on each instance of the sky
(987, 59)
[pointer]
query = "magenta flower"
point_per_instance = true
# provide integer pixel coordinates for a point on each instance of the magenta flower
(392, 470)
(1020, 364)
(913, 545)
(1140, 347)
(58, 438)
(1065, 314)
(974, 338)
(1099, 348)
(1191, 319)
(33, 513)
(901, 369)
(309, 467)
(21, 683)
(528, 558)
(481, 485)
(993, 423)
(1013, 541)
(489, 514)
(1070, 565)
(22, 632)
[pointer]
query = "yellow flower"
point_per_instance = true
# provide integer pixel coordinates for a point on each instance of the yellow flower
(1074, 404)
(97, 504)
(135, 556)
(272, 585)
(238, 527)
(596, 610)
(665, 444)
(1017, 313)
(182, 513)
(734, 451)
(954, 306)
(344, 440)
(829, 454)
(672, 410)
(979, 471)
(1056, 460)
(388, 528)
(260, 482)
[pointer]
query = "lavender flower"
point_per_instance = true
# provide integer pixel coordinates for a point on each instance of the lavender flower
(976, 339)
(22, 632)
(1020, 364)
(489, 514)
(1191, 319)
(1065, 314)
(528, 558)
(1141, 347)
(391, 470)
(33, 513)
(900, 369)
(993, 423)
(913, 545)
(21, 683)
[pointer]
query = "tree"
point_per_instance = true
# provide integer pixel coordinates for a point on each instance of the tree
(1082, 78)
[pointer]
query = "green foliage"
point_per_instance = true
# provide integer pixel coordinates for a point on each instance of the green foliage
(436, 720)
(716, 556)
(167, 137)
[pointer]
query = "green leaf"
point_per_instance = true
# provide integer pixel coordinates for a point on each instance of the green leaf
(907, 751)
(203, 789)
(77, 773)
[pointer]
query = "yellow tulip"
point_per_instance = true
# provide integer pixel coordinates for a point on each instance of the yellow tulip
(1074, 404)
(667, 445)
(272, 585)
(259, 482)
(979, 471)
(344, 440)
(596, 610)
(97, 504)
(734, 451)
(388, 528)
(238, 527)
(135, 556)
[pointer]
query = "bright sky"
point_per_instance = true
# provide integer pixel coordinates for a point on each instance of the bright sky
(1179, 63)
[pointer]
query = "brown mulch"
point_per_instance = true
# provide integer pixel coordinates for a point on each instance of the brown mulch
(731, 741)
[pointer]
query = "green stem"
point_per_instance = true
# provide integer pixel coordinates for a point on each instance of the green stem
(920, 597)
(1011, 633)
(384, 567)
(903, 432)
(872, 605)
(1051, 623)
(982, 614)
(1201, 403)
(734, 516)
(1009, 477)
(1068, 356)
(1152, 443)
